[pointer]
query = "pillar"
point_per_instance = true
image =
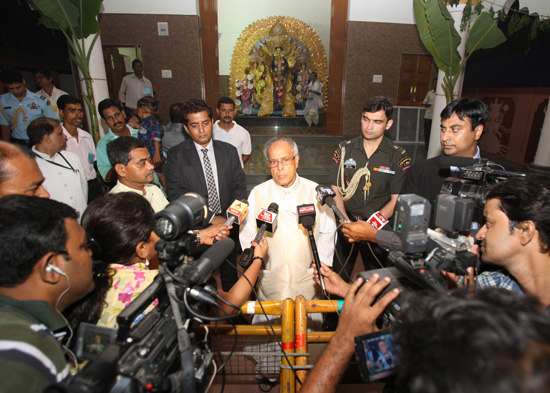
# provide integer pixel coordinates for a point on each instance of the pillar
(99, 80)
(542, 157)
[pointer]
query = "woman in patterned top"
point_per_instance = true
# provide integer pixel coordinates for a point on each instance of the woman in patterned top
(121, 226)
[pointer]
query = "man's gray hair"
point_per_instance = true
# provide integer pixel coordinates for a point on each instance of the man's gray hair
(286, 139)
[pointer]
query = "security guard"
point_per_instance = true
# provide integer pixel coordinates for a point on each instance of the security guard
(367, 175)
(20, 107)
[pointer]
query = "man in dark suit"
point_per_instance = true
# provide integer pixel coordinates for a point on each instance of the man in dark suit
(209, 168)
(462, 124)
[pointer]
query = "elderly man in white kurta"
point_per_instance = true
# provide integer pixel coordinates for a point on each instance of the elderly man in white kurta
(287, 270)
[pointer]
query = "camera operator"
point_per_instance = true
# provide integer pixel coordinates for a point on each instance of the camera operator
(462, 124)
(46, 267)
(492, 342)
(516, 236)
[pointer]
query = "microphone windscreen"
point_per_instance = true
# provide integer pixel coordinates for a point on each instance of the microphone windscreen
(273, 207)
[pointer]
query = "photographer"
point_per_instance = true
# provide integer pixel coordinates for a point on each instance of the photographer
(516, 236)
(358, 317)
(493, 341)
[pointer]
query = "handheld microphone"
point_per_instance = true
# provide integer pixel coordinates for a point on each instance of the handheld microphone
(306, 217)
(266, 221)
(209, 261)
(325, 196)
(237, 212)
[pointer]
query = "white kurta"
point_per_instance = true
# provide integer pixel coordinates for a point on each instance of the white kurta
(288, 273)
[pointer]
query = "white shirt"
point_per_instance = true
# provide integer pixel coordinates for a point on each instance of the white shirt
(236, 136)
(56, 93)
(133, 88)
(288, 272)
(153, 194)
(63, 183)
(429, 100)
(84, 147)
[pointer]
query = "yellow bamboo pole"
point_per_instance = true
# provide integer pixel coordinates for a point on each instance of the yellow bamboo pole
(288, 381)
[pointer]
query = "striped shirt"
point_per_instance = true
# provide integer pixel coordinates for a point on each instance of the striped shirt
(31, 358)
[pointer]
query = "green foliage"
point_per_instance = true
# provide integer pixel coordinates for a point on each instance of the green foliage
(79, 16)
(438, 34)
(76, 19)
(484, 34)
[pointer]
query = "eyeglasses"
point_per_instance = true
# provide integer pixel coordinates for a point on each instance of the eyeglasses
(285, 160)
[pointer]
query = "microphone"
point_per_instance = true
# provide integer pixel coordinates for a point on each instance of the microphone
(209, 261)
(237, 212)
(306, 217)
(325, 196)
(266, 221)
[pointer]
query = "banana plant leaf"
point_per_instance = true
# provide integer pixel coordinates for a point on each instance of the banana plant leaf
(79, 16)
(484, 34)
(438, 34)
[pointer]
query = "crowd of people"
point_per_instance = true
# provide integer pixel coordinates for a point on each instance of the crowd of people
(56, 217)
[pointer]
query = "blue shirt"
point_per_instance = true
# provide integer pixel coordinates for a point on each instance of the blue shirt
(103, 164)
(150, 132)
(33, 106)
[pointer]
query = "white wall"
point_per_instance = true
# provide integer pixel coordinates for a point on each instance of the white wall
(401, 11)
(235, 15)
(168, 7)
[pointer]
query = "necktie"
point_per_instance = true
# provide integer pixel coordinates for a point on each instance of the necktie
(213, 200)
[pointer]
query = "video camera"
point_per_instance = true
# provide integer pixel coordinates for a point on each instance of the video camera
(426, 252)
(154, 353)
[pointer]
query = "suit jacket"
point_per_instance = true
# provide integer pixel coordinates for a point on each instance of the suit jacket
(184, 173)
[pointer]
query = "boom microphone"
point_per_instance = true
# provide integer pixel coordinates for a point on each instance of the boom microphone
(237, 212)
(209, 261)
(325, 196)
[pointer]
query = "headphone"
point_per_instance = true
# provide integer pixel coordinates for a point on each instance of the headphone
(51, 268)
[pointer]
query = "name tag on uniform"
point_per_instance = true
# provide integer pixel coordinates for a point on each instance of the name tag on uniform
(146, 90)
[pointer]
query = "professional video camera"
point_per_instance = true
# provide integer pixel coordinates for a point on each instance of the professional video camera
(475, 175)
(155, 353)
(425, 252)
